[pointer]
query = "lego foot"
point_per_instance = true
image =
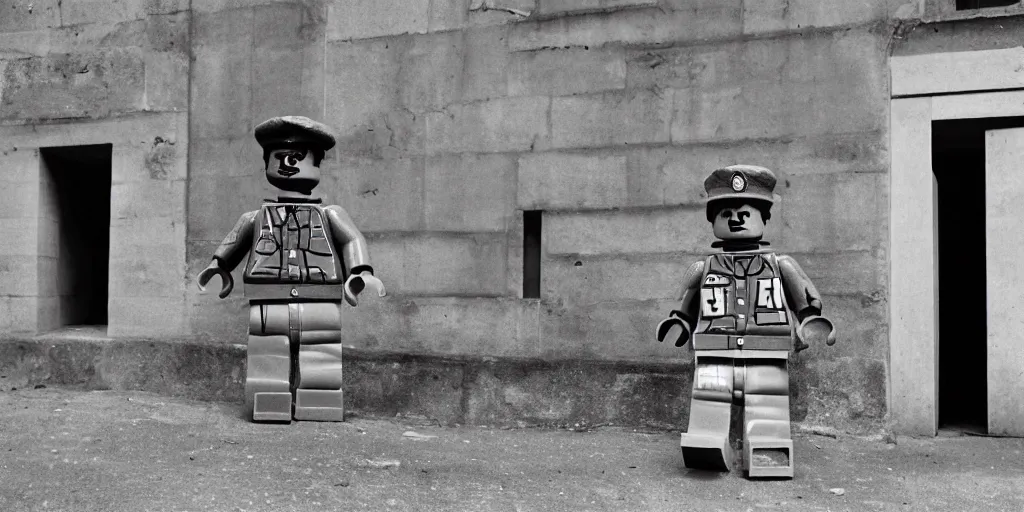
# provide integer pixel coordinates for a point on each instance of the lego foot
(319, 405)
(711, 453)
(272, 407)
(769, 457)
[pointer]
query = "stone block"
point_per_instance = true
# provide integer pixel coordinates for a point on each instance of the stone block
(128, 236)
(379, 194)
(848, 393)
(832, 212)
(241, 157)
(20, 45)
(362, 83)
(861, 326)
(508, 124)
(779, 15)
(714, 20)
(81, 12)
(146, 316)
(19, 276)
(47, 237)
(289, 25)
(216, 202)
(588, 280)
(461, 265)
(19, 236)
(430, 75)
(446, 326)
(20, 200)
(614, 118)
(566, 180)
(22, 15)
(362, 19)
(213, 30)
(609, 330)
(153, 198)
(447, 15)
(469, 192)
(166, 81)
(549, 7)
(427, 389)
(486, 63)
(283, 83)
(560, 72)
(94, 84)
(147, 272)
(219, 107)
(624, 232)
(19, 314)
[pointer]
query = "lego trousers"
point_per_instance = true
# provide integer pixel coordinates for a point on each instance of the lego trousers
(761, 386)
(294, 357)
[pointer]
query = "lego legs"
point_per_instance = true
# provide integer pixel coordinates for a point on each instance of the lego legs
(767, 444)
(268, 395)
(705, 443)
(318, 394)
(294, 348)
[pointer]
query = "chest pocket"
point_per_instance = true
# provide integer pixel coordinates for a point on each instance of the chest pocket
(769, 293)
(716, 296)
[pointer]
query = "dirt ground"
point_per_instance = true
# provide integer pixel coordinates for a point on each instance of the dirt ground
(113, 451)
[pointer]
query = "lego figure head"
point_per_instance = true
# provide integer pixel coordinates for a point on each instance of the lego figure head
(293, 147)
(739, 203)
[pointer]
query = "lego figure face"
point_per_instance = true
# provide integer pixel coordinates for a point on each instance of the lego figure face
(294, 170)
(738, 222)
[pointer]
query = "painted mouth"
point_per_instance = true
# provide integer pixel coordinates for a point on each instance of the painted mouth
(736, 228)
(286, 172)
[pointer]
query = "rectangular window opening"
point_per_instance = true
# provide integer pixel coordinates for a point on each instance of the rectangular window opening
(965, 5)
(958, 161)
(76, 203)
(531, 253)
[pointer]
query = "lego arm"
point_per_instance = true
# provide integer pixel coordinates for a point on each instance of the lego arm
(354, 253)
(679, 325)
(805, 301)
(230, 253)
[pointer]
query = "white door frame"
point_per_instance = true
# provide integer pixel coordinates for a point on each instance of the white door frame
(926, 88)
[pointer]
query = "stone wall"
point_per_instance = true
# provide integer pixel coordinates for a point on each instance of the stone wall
(455, 116)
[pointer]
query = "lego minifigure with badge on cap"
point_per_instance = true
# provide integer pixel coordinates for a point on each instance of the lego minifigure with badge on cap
(302, 258)
(744, 308)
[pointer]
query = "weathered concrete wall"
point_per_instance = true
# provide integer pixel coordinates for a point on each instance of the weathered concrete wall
(455, 116)
(77, 73)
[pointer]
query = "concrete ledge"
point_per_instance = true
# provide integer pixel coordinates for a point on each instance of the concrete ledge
(445, 390)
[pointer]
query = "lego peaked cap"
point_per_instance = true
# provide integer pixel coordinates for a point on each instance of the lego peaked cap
(741, 182)
(289, 131)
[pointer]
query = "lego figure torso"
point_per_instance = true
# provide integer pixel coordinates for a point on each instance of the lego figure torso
(292, 246)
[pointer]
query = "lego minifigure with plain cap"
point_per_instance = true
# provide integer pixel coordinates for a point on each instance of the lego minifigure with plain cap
(303, 259)
(744, 308)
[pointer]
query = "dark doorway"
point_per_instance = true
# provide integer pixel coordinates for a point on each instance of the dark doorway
(958, 161)
(77, 182)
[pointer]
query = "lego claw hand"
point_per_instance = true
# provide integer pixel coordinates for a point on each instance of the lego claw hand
(227, 283)
(814, 330)
(357, 283)
(674, 329)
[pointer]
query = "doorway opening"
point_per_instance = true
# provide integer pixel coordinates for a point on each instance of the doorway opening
(77, 183)
(958, 161)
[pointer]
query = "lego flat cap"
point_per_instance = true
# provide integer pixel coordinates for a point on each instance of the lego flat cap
(741, 182)
(288, 131)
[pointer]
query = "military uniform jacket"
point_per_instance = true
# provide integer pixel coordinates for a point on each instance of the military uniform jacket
(296, 250)
(746, 301)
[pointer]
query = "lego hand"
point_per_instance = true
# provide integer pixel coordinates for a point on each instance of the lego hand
(814, 330)
(227, 283)
(356, 283)
(674, 328)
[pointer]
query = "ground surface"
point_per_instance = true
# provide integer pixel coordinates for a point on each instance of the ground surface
(116, 451)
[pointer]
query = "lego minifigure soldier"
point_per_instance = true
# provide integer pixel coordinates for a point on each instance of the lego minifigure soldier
(743, 307)
(303, 259)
